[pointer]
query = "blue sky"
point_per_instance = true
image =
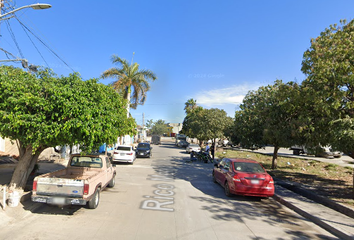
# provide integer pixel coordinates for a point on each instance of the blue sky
(211, 51)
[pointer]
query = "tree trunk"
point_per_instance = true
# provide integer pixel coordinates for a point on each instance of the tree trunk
(351, 154)
(275, 157)
(63, 152)
(24, 167)
(128, 98)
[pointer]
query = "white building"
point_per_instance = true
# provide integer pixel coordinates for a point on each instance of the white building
(176, 127)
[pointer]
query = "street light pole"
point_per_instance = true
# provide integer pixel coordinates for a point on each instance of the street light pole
(36, 6)
(8, 15)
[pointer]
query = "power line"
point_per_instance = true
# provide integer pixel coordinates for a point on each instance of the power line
(33, 43)
(14, 38)
(44, 44)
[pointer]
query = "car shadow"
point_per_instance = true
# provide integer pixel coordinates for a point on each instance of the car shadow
(168, 145)
(114, 164)
(42, 208)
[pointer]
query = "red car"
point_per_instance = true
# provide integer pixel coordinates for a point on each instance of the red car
(243, 177)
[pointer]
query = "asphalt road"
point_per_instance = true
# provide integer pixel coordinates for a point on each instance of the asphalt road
(165, 197)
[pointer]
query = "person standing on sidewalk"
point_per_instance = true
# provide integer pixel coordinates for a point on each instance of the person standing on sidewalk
(207, 148)
(212, 149)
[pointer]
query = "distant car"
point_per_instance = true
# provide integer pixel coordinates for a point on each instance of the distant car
(124, 153)
(243, 177)
(192, 147)
(155, 139)
(337, 154)
(144, 150)
(319, 151)
(182, 144)
(323, 152)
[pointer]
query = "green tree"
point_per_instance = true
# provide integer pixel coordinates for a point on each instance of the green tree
(130, 77)
(193, 124)
(43, 110)
(216, 124)
(248, 125)
(329, 87)
(159, 127)
(149, 123)
(205, 124)
(269, 116)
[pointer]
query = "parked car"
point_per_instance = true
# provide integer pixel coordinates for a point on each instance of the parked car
(182, 144)
(155, 139)
(192, 147)
(124, 153)
(298, 149)
(223, 143)
(80, 183)
(323, 152)
(336, 154)
(319, 151)
(144, 150)
(243, 177)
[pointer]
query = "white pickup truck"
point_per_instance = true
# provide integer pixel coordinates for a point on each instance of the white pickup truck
(78, 184)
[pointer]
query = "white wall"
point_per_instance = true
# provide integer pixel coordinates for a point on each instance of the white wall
(2, 144)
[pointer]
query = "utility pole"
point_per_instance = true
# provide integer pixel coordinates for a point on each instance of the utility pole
(143, 126)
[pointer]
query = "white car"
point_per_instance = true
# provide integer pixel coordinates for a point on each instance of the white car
(193, 147)
(124, 153)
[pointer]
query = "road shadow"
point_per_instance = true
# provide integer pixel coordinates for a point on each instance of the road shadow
(237, 208)
(168, 145)
(115, 164)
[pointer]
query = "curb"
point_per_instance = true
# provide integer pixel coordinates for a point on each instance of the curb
(314, 219)
(319, 199)
(8, 165)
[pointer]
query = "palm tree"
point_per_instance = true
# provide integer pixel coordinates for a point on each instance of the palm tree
(190, 105)
(129, 76)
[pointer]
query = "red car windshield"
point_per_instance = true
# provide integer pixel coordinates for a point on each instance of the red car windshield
(248, 167)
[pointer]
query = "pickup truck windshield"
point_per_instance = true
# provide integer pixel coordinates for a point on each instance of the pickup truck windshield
(91, 162)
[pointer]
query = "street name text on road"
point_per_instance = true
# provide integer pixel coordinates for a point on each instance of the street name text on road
(162, 195)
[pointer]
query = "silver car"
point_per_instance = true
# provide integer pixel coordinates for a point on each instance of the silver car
(193, 147)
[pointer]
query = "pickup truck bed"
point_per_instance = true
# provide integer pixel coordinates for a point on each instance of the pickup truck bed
(77, 184)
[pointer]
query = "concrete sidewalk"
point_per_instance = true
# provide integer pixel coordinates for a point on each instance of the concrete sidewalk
(344, 160)
(334, 222)
(7, 167)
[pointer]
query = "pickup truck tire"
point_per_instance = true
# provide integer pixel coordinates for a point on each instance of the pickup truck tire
(93, 203)
(112, 182)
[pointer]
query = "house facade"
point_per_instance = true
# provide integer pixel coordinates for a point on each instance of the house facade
(174, 128)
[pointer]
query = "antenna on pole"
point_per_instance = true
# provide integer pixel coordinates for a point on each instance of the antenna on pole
(133, 57)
